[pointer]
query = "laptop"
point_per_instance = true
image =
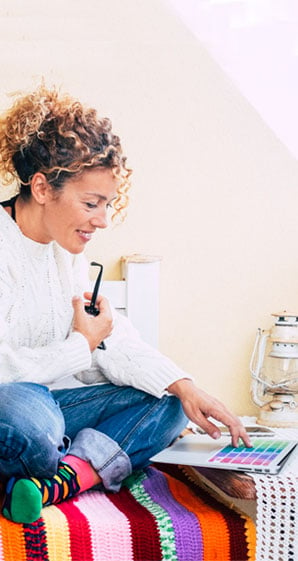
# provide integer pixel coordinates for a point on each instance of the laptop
(267, 455)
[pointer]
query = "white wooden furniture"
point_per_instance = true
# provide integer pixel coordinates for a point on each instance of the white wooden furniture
(137, 295)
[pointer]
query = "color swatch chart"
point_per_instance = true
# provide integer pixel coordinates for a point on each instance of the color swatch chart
(263, 451)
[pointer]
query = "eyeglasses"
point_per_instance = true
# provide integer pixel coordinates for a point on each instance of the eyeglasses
(91, 308)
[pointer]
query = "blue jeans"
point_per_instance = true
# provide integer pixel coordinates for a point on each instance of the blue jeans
(116, 428)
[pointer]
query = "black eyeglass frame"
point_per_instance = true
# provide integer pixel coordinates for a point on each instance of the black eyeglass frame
(91, 308)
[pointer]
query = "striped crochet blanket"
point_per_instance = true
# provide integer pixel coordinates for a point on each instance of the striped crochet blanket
(157, 515)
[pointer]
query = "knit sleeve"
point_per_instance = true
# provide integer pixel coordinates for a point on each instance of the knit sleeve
(41, 363)
(129, 361)
(46, 364)
(36, 341)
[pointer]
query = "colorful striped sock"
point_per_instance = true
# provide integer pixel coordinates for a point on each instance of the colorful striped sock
(25, 498)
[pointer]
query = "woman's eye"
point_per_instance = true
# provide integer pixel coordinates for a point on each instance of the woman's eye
(91, 205)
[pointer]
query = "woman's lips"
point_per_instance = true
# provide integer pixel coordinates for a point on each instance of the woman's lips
(86, 236)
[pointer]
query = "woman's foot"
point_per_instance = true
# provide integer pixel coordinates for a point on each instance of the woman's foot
(25, 498)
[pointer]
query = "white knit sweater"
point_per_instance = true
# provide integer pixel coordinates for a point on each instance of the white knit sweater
(37, 344)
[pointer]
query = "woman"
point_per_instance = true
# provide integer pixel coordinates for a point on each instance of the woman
(73, 415)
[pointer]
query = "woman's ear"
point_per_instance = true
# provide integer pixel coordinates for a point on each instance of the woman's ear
(40, 188)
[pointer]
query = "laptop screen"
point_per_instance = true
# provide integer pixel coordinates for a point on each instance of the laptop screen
(266, 455)
(264, 452)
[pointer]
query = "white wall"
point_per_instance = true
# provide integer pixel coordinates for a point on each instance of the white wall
(214, 192)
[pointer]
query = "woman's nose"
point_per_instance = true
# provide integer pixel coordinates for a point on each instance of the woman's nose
(99, 220)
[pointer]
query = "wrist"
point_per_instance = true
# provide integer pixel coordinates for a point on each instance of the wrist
(89, 338)
(181, 387)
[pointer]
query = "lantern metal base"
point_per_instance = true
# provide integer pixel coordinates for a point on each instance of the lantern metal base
(286, 417)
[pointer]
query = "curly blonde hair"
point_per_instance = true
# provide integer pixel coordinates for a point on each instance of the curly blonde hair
(53, 133)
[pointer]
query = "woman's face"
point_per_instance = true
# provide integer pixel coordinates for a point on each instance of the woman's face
(71, 216)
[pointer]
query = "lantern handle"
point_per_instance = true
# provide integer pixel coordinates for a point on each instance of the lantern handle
(255, 366)
(258, 354)
(260, 343)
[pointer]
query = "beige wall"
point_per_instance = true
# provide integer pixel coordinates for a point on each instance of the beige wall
(214, 192)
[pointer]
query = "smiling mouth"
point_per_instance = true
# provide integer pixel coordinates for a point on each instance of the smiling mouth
(86, 235)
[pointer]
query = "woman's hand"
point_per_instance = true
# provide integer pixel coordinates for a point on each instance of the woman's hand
(199, 406)
(94, 328)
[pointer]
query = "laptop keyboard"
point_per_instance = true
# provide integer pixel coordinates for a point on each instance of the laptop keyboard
(262, 453)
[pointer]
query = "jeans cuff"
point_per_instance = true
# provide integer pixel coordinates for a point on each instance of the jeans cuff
(105, 455)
